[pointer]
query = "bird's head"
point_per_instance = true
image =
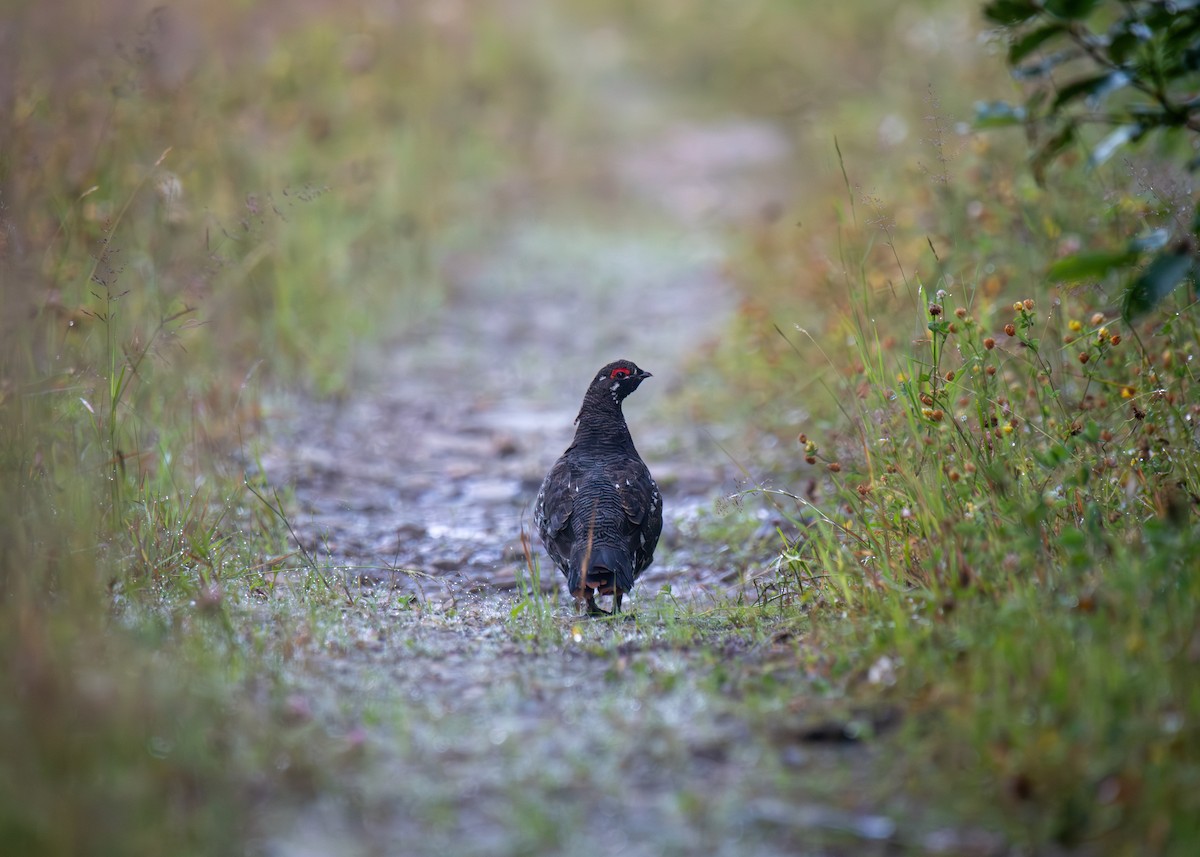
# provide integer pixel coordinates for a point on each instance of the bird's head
(618, 379)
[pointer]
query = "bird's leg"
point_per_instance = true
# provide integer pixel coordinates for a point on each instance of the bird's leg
(617, 593)
(592, 589)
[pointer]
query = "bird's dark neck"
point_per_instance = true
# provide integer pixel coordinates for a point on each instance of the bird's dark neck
(601, 418)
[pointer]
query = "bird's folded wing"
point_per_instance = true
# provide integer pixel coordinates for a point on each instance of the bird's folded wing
(636, 490)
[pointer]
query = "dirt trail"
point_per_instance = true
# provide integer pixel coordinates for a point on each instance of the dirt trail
(432, 466)
(480, 740)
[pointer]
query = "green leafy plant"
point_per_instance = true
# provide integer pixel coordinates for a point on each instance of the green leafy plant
(1106, 75)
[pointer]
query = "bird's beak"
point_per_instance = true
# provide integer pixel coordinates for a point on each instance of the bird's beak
(645, 375)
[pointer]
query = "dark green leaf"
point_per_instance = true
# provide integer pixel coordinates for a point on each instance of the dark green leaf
(1125, 35)
(1094, 88)
(1160, 16)
(1181, 32)
(1050, 149)
(998, 114)
(1071, 9)
(1122, 45)
(1156, 282)
(1009, 12)
(1090, 266)
(1030, 42)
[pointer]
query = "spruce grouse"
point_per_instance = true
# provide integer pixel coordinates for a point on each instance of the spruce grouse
(599, 513)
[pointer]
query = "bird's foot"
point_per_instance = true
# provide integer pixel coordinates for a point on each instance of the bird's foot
(595, 609)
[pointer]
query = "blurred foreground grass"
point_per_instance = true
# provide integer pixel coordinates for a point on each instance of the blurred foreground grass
(200, 198)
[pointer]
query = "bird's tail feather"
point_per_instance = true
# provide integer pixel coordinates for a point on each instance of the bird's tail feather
(606, 566)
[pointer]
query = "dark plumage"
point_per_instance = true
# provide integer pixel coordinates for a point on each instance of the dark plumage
(599, 513)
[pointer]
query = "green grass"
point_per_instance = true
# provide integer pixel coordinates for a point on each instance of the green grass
(1022, 539)
(1009, 506)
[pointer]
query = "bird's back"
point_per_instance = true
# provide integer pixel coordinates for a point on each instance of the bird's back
(601, 509)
